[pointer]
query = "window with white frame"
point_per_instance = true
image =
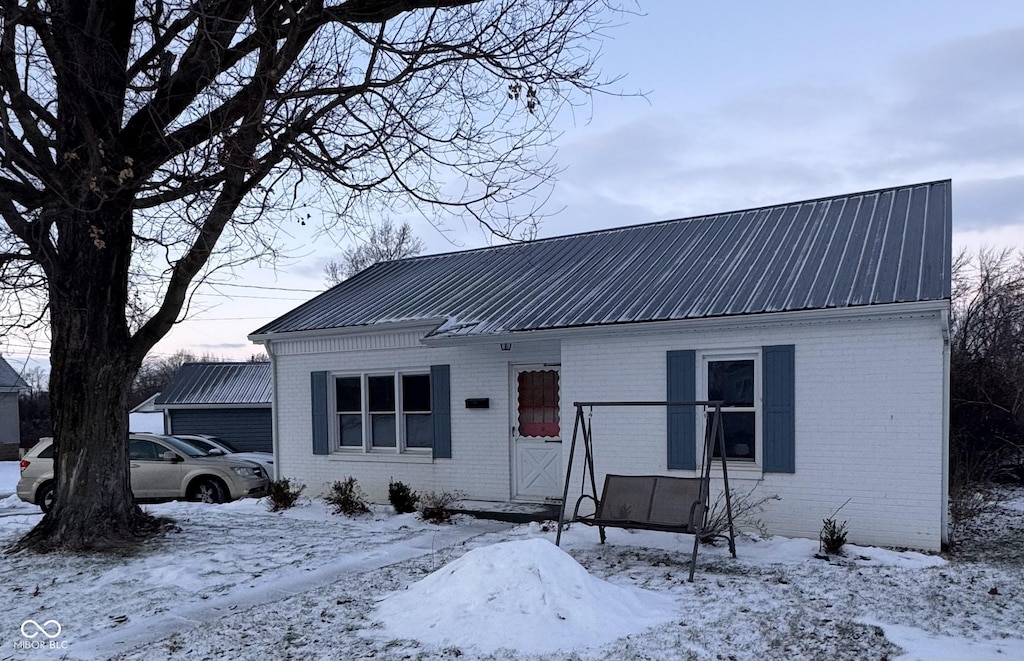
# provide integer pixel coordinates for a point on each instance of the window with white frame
(383, 412)
(735, 379)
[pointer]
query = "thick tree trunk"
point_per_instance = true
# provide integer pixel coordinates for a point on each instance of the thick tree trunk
(91, 369)
(92, 362)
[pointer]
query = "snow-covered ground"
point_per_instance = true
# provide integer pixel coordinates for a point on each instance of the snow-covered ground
(238, 582)
(9, 474)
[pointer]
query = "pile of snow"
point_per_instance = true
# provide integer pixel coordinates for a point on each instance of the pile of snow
(526, 595)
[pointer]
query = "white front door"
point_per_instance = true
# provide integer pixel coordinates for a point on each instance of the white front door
(536, 432)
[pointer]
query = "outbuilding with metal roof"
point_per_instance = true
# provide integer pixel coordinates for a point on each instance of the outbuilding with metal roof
(225, 399)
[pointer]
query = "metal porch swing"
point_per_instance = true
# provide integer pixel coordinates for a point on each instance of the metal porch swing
(649, 502)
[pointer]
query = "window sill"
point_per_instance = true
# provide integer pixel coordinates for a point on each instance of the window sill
(740, 470)
(382, 457)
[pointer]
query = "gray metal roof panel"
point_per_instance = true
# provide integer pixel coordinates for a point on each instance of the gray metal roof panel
(875, 247)
(218, 383)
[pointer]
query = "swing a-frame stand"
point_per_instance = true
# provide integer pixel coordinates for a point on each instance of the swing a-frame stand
(649, 502)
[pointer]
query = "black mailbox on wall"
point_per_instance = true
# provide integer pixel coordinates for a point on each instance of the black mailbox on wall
(478, 403)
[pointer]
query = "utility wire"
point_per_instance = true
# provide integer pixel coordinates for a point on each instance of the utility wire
(232, 284)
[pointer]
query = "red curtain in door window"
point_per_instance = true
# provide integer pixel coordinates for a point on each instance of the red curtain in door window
(538, 403)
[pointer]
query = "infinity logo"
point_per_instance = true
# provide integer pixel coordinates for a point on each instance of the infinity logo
(40, 628)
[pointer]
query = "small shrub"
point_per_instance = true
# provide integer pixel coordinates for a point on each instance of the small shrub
(402, 498)
(436, 507)
(833, 536)
(347, 498)
(282, 494)
(972, 493)
(745, 510)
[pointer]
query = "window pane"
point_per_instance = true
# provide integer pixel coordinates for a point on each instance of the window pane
(383, 426)
(739, 435)
(382, 393)
(415, 392)
(351, 430)
(139, 449)
(538, 403)
(347, 394)
(731, 381)
(419, 430)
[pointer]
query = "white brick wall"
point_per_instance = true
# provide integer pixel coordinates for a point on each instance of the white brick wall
(480, 437)
(868, 421)
(868, 417)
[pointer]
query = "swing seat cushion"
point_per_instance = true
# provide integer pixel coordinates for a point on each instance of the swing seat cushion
(650, 502)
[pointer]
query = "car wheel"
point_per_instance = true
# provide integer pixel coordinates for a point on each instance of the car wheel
(207, 490)
(46, 497)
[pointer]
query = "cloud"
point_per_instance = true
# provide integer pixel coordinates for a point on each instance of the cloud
(1004, 236)
(982, 203)
(953, 111)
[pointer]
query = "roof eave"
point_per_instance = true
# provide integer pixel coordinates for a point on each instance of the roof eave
(744, 320)
(382, 327)
(212, 405)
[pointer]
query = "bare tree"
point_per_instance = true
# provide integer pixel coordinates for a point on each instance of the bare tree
(384, 244)
(155, 373)
(987, 349)
(147, 143)
(986, 378)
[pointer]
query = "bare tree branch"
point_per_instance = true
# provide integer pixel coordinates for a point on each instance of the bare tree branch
(145, 144)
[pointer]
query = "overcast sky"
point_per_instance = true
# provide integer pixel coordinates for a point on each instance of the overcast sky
(747, 103)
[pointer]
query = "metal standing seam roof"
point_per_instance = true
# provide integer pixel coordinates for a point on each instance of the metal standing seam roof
(218, 383)
(885, 246)
(9, 378)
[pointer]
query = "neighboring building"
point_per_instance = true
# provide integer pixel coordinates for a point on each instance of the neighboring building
(229, 400)
(824, 322)
(11, 385)
(145, 418)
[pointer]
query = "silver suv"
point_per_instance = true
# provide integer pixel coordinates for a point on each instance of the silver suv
(162, 468)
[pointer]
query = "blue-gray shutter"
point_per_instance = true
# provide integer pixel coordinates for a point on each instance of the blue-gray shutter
(318, 396)
(682, 421)
(441, 410)
(779, 432)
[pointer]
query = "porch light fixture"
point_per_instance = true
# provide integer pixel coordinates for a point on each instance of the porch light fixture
(506, 346)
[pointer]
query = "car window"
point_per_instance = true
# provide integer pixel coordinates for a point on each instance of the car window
(199, 443)
(142, 449)
(46, 453)
(224, 444)
(184, 447)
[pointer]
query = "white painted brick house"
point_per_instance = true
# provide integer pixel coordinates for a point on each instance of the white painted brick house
(824, 324)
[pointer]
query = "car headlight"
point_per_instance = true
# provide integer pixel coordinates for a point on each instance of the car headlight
(246, 471)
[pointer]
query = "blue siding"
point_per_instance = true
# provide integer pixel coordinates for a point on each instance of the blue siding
(318, 398)
(779, 432)
(682, 421)
(441, 410)
(246, 429)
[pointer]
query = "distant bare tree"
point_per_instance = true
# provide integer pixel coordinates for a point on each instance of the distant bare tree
(34, 407)
(145, 144)
(987, 348)
(155, 373)
(986, 376)
(384, 244)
